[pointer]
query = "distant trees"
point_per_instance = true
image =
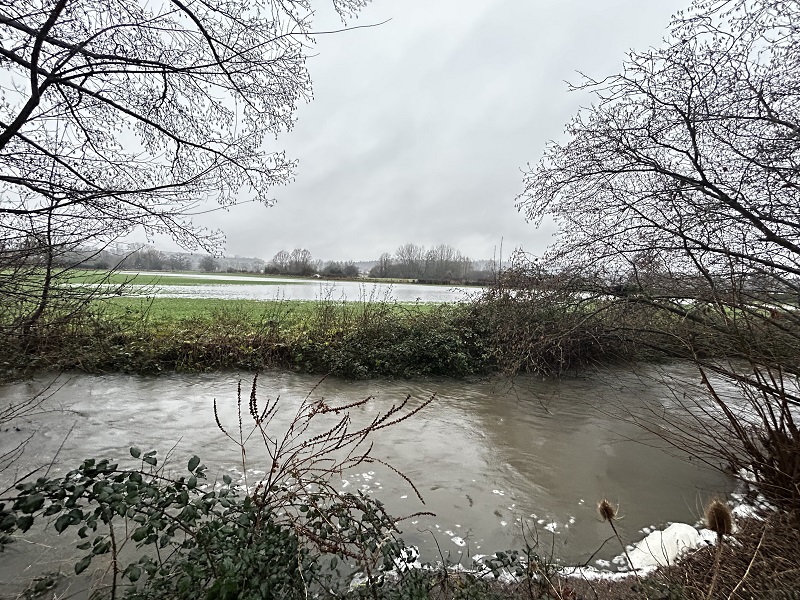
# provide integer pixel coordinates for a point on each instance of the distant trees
(208, 264)
(280, 263)
(340, 269)
(145, 259)
(410, 259)
(301, 262)
(439, 263)
(445, 262)
(384, 267)
(297, 262)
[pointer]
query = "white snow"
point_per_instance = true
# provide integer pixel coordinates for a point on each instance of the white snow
(662, 548)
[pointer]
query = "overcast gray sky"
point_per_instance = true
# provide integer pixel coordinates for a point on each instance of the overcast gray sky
(419, 128)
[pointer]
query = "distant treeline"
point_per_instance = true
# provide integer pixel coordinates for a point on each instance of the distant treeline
(438, 264)
(146, 258)
(300, 262)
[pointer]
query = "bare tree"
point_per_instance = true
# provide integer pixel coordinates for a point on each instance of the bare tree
(301, 262)
(678, 189)
(411, 259)
(384, 266)
(208, 264)
(134, 114)
(117, 115)
(445, 262)
(281, 261)
(38, 253)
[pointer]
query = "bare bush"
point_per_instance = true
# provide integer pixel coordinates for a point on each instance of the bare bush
(678, 191)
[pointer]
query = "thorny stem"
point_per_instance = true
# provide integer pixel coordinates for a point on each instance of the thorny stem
(716, 567)
(625, 550)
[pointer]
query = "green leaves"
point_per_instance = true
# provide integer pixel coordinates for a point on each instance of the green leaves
(82, 564)
(133, 572)
(193, 463)
(30, 504)
(24, 523)
(139, 534)
(150, 458)
(219, 539)
(8, 522)
(63, 522)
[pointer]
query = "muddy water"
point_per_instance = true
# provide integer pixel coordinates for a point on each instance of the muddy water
(491, 458)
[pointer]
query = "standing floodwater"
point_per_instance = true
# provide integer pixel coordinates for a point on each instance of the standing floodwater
(487, 456)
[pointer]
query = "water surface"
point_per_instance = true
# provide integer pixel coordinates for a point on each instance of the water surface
(497, 460)
(285, 288)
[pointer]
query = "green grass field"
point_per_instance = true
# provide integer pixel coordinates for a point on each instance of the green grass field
(286, 311)
(163, 279)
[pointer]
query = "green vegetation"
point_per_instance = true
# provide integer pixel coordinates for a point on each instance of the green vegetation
(676, 198)
(348, 339)
(547, 328)
(513, 331)
(167, 278)
(291, 535)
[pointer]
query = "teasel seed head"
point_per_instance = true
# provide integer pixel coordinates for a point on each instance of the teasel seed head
(606, 510)
(719, 518)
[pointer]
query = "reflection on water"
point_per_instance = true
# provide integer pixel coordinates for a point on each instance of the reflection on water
(487, 456)
(303, 289)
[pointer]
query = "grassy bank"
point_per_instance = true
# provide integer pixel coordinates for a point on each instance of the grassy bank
(348, 339)
(354, 340)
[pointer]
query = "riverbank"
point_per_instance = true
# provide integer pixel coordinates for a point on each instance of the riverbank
(348, 339)
(189, 322)
(370, 338)
(759, 561)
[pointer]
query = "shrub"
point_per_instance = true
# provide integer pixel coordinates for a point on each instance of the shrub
(280, 537)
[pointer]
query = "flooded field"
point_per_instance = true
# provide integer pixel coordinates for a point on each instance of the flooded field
(281, 288)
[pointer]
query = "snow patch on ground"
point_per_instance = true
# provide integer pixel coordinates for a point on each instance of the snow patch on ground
(662, 548)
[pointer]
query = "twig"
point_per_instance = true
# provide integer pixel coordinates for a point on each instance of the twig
(752, 560)
(55, 456)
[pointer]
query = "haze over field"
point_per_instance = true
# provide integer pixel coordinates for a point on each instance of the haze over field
(420, 127)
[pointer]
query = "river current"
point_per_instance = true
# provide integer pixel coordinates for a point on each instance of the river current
(498, 461)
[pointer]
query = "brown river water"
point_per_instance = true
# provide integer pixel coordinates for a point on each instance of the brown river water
(496, 460)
